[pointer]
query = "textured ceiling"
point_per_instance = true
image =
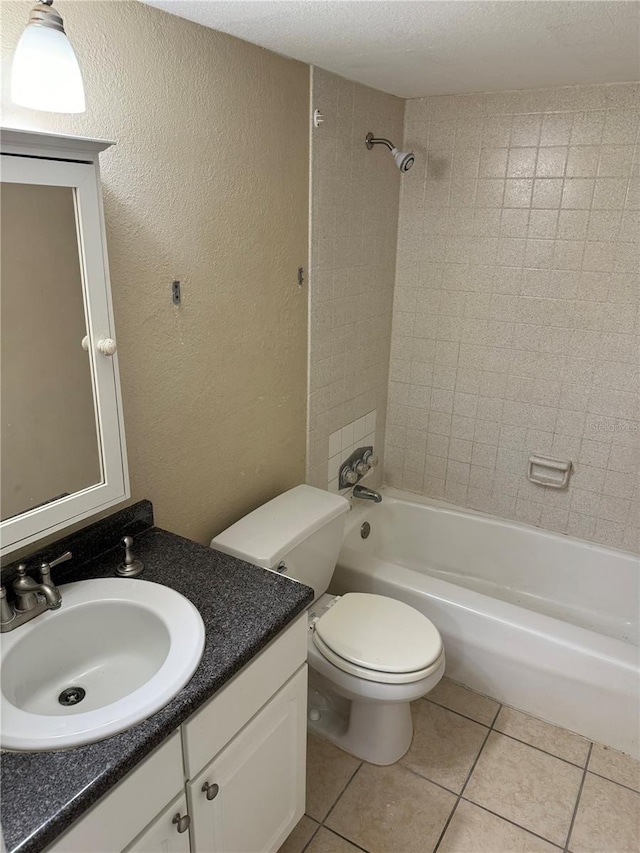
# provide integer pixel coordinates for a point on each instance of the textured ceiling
(414, 48)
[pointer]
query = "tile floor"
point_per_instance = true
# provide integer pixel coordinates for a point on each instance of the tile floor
(479, 778)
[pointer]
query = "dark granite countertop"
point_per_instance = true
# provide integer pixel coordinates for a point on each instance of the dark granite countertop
(243, 607)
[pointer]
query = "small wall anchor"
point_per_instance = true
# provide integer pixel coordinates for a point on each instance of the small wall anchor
(130, 567)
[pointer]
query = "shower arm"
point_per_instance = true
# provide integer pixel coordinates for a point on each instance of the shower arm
(370, 141)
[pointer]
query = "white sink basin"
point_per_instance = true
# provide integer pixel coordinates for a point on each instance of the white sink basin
(130, 645)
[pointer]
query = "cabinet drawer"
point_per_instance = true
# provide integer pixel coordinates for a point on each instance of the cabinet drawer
(213, 726)
(111, 824)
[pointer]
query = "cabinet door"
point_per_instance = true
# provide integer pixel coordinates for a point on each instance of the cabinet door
(162, 835)
(124, 811)
(260, 779)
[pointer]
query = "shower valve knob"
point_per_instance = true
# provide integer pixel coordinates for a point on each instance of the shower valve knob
(362, 468)
(371, 460)
(350, 477)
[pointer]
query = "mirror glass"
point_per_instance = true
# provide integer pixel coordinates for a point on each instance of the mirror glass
(48, 429)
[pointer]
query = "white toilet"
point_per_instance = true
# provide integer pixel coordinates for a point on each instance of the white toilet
(369, 656)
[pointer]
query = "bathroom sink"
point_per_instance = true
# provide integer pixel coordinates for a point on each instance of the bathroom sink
(115, 652)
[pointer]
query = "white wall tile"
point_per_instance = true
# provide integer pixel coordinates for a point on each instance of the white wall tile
(354, 217)
(518, 329)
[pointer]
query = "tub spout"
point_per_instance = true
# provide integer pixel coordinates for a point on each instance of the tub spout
(367, 494)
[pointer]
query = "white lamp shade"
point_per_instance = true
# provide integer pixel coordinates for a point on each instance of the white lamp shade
(45, 74)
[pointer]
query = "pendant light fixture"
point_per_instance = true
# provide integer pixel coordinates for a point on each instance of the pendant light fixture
(45, 74)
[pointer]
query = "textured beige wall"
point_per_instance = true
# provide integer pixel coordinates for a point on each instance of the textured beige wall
(354, 220)
(515, 324)
(208, 182)
(48, 442)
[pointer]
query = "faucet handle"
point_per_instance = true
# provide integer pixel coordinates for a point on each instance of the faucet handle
(7, 613)
(130, 567)
(45, 567)
(370, 459)
(61, 559)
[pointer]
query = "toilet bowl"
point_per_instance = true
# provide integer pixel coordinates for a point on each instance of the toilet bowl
(369, 656)
(376, 725)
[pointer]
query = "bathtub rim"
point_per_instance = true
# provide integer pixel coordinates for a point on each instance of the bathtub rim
(538, 623)
(357, 506)
(541, 625)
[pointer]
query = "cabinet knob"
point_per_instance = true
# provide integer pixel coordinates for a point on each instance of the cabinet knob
(182, 822)
(210, 790)
(107, 346)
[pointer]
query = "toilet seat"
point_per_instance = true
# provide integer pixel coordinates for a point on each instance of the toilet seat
(378, 639)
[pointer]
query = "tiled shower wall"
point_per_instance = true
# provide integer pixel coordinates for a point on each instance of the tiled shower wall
(515, 325)
(354, 217)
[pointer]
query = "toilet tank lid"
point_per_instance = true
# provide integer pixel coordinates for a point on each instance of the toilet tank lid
(265, 535)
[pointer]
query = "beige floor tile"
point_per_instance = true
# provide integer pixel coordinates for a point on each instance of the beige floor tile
(615, 765)
(536, 732)
(458, 698)
(328, 842)
(534, 790)
(608, 819)
(300, 836)
(473, 830)
(444, 746)
(390, 809)
(328, 771)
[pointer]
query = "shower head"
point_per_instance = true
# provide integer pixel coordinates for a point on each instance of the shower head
(404, 160)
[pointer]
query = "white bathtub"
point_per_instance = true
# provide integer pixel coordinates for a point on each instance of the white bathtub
(543, 622)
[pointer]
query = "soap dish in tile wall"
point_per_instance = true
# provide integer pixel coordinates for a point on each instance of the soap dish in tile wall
(550, 472)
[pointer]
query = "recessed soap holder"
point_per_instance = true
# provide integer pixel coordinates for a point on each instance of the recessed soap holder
(356, 466)
(550, 472)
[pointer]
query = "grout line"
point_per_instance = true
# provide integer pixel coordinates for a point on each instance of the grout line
(313, 834)
(339, 797)
(512, 822)
(518, 740)
(500, 707)
(459, 713)
(344, 838)
(575, 809)
(446, 826)
(613, 781)
(544, 751)
(466, 782)
(427, 779)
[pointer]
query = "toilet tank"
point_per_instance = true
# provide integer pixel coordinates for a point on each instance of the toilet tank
(301, 528)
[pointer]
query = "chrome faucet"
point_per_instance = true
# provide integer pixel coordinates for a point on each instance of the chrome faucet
(367, 494)
(31, 598)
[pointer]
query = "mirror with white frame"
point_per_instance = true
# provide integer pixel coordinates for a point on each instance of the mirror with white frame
(62, 445)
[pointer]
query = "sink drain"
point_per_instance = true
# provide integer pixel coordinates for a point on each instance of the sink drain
(71, 696)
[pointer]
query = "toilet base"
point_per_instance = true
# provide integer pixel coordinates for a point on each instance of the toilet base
(370, 719)
(378, 733)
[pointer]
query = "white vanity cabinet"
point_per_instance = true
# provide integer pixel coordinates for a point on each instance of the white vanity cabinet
(230, 780)
(249, 798)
